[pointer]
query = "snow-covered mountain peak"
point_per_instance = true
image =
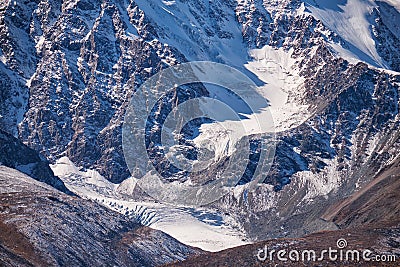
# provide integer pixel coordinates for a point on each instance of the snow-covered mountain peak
(355, 22)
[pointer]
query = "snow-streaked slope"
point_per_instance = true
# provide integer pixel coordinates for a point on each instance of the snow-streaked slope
(394, 3)
(202, 228)
(202, 30)
(351, 20)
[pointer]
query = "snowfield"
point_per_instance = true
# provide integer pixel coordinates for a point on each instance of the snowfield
(351, 20)
(197, 227)
(282, 86)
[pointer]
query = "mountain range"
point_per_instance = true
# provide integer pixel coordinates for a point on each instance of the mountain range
(68, 69)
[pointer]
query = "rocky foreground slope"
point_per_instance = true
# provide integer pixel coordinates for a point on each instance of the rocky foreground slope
(368, 219)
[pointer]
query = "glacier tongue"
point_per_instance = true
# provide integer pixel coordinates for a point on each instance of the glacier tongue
(198, 227)
(203, 228)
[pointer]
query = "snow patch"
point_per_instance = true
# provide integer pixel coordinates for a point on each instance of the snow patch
(320, 184)
(65, 168)
(277, 69)
(39, 44)
(2, 57)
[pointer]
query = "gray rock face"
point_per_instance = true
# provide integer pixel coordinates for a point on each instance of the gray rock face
(351, 137)
(41, 226)
(84, 62)
(340, 149)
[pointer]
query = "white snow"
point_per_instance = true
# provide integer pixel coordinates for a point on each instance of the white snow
(65, 168)
(322, 183)
(40, 43)
(283, 86)
(2, 57)
(168, 2)
(351, 20)
(201, 228)
(198, 227)
(179, 28)
(221, 137)
(297, 150)
(276, 68)
(191, 231)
